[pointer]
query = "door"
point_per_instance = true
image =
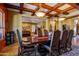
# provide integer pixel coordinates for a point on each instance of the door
(2, 26)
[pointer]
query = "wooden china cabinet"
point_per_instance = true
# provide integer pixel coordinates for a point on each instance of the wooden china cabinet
(2, 26)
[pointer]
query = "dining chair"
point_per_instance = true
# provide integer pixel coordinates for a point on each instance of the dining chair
(22, 50)
(54, 45)
(63, 44)
(69, 41)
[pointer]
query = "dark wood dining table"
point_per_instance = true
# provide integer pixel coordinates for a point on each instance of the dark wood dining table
(38, 40)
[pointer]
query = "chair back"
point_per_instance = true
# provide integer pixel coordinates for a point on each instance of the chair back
(71, 34)
(45, 33)
(19, 38)
(39, 32)
(69, 41)
(63, 42)
(56, 39)
(65, 36)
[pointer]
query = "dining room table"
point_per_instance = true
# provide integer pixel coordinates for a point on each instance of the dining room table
(38, 40)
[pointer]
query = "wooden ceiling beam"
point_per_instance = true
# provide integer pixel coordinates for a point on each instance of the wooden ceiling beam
(21, 7)
(68, 9)
(11, 6)
(29, 10)
(47, 7)
(37, 4)
(18, 8)
(35, 11)
(72, 16)
(50, 8)
(58, 5)
(55, 8)
(44, 6)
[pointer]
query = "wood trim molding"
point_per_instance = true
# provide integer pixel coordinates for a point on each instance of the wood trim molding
(72, 16)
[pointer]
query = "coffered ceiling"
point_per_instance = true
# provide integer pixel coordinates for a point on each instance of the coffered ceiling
(51, 9)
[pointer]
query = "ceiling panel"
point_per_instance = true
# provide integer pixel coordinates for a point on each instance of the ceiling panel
(51, 4)
(44, 10)
(64, 7)
(30, 6)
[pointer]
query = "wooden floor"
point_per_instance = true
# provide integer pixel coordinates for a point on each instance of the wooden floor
(75, 41)
(12, 50)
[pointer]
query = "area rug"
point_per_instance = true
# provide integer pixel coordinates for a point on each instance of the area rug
(73, 52)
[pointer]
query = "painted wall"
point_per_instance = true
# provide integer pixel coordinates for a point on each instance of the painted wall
(10, 21)
(57, 24)
(69, 22)
(17, 24)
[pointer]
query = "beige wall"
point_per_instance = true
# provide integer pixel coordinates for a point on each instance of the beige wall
(58, 24)
(10, 19)
(69, 22)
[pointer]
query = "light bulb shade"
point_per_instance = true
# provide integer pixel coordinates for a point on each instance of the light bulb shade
(40, 14)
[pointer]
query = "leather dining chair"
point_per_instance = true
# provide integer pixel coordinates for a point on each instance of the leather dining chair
(54, 45)
(69, 41)
(22, 50)
(63, 41)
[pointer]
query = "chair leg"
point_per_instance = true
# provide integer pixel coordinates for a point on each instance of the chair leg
(59, 51)
(55, 52)
(19, 52)
(50, 53)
